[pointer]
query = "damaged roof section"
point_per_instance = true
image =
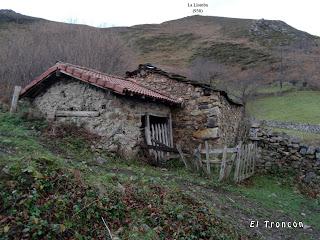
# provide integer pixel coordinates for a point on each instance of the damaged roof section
(119, 85)
(144, 69)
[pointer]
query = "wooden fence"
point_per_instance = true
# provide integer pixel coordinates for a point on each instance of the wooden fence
(240, 158)
(245, 162)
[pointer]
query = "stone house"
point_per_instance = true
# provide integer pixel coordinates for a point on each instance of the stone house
(148, 107)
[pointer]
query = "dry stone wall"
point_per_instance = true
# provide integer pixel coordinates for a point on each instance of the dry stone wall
(205, 115)
(119, 121)
(280, 152)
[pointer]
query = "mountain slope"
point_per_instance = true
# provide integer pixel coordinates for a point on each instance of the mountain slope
(10, 16)
(173, 46)
(228, 40)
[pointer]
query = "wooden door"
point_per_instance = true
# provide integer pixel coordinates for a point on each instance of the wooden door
(158, 133)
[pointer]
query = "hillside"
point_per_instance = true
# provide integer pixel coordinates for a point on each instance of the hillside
(174, 44)
(228, 40)
(54, 185)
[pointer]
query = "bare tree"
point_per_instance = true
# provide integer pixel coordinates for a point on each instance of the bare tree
(32, 50)
(207, 71)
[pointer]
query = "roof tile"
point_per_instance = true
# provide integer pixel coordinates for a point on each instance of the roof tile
(91, 76)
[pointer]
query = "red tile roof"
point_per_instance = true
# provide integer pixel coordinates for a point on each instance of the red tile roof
(116, 84)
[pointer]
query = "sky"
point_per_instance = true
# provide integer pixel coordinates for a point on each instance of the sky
(303, 15)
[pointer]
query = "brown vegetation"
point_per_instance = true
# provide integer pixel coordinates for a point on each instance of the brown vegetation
(31, 50)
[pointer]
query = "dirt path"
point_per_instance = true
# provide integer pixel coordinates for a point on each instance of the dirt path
(240, 211)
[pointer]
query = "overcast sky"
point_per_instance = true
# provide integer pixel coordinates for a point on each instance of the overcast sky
(303, 15)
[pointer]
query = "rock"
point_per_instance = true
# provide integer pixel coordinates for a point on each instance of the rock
(196, 113)
(295, 140)
(121, 188)
(318, 155)
(215, 111)
(303, 151)
(204, 105)
(311, 150)
(209, 133)
(255, 124)
(305, 226)
(212, 122)
(6, 170)
(101, 160)
(309, 177)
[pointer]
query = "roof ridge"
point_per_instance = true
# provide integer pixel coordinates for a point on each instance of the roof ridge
(116, 84)
(141, 85)
(91, 69)
(114, 76)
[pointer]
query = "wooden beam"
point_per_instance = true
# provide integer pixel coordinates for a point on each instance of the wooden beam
(207, 157)
(182, 155)
(77, 114)
(170, 130)
(219, 151)
(223, 165)
(15, 98)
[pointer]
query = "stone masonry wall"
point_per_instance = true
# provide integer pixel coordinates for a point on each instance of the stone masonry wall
(203, 116)
(119, 122)
(278, 151)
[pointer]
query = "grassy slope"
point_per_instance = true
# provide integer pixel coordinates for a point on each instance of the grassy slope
(44, 194)
(271, 193)
(301, 107)
(56, 187)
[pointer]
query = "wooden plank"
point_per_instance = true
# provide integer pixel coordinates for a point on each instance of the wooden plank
(182, 155)
(248, 161)
(160, 140)
(238, 159)
(163, 137)
(162, 148)
(15, 98)
(223, 165)
(147, 132)
(153, 136)
(77, 114)
(170, 130)
(147, 129)
(199, 157)
(219, 151)
(207, 157)
(212, 161)
(255, 157)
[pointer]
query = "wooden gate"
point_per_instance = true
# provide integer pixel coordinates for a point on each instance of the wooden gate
(159, 137)
(245, 162)
(242, 157)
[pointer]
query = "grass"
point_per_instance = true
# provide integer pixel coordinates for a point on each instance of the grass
(274, 88)
(278, 193)
(67, 189)
(42, 193)
(300, 107)
(231, 53)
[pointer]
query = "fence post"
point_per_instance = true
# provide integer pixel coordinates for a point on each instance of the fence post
(238, 158)
(181, 155)
(207, 157)
(223, 164)
(15, 98)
